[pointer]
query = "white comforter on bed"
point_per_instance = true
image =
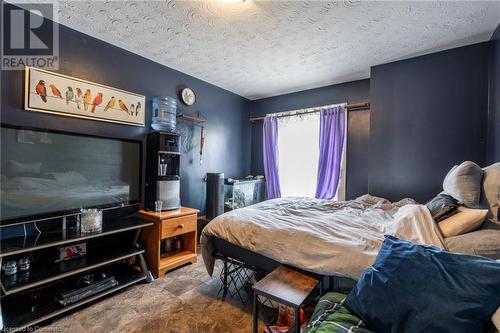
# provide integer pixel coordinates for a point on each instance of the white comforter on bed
(322, 236)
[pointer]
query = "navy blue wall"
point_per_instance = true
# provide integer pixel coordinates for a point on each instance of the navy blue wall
(427, 114)
(227, 143)
(494, 100)
(357, 134)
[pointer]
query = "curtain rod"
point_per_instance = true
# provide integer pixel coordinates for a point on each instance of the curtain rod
(350, 107)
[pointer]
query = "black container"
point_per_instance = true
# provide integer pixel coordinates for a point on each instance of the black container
(215, 195)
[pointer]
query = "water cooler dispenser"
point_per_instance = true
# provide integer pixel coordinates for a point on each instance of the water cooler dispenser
(162, 170)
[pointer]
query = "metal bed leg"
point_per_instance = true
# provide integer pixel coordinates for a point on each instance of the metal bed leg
(234, 277)
(224, 293)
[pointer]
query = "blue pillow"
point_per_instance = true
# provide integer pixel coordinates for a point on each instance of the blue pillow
(420, 288)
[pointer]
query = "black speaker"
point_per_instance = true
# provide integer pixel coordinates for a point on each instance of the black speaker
(215, 195)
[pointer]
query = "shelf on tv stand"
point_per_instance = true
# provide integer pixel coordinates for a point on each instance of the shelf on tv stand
(18, 245)
(19, 319)
(53, 272)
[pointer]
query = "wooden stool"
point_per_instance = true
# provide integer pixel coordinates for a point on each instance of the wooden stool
(286, 286)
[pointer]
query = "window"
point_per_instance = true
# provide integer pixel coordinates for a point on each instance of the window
(298, 154)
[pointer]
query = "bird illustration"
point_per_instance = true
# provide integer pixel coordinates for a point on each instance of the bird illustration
(69, 95)
(78, 97)
(96, 102)
(122, 106)
(110, 104)
(138, 108)
(132, 109)
(41, 90)
(87, 98)
(55, 91)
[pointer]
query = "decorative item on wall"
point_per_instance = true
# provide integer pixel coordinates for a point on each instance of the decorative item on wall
(186, 129)
(67, 96)
(202, 143)
(186, 132)
(188, 96)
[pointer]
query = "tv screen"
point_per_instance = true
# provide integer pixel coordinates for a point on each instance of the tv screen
(45, 172)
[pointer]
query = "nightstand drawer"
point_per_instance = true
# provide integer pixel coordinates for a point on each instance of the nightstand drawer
(178, 226)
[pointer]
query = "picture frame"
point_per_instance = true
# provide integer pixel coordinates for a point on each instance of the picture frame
(63, 95)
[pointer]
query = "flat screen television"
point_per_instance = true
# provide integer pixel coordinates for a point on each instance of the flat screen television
(51, 173)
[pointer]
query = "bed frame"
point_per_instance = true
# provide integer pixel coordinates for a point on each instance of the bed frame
(258, 262)
(232, 254)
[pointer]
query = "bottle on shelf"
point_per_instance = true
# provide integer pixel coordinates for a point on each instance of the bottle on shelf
(169, 245)
(178, 244)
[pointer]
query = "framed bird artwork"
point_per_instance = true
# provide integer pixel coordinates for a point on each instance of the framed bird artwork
(63, 95)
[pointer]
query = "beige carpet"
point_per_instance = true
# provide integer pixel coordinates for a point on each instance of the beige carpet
(184, 300)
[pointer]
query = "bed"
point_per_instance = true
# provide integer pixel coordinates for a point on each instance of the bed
(341, 239)
(328, 238)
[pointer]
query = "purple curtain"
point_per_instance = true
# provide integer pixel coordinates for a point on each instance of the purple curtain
(331, 141)
(270, 140)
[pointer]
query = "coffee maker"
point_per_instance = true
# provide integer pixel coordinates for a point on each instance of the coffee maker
(162, 170)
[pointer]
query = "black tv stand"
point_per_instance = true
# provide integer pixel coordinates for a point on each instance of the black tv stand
(47, 278)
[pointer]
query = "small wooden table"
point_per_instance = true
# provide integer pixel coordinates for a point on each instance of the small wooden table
(181, 222)
(286, 286)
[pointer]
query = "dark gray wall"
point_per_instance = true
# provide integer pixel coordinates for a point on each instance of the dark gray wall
(358, 142)
(427, 114)
(227, 143)
(358, 126)
(493, 154)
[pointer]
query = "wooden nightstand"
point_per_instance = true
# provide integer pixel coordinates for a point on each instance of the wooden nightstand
(182, 223)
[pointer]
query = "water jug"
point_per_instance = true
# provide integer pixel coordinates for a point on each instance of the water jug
(164, 114)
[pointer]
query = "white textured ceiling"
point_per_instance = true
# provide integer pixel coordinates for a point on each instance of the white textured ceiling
(264, 48)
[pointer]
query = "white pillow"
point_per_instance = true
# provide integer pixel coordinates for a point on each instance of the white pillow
(464, 221)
